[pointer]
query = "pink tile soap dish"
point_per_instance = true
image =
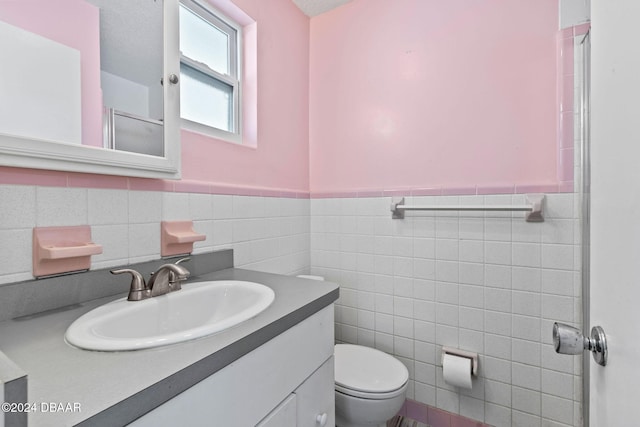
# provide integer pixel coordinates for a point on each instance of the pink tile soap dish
(59, 250)
(178, 237)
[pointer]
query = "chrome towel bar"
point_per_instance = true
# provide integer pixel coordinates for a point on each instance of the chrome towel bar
(533, 208)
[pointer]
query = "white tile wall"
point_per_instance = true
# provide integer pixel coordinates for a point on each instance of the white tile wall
(489, 283)
(492, 284)
(267, 234)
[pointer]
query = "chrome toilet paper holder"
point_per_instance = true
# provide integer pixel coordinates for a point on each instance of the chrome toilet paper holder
(462, 353)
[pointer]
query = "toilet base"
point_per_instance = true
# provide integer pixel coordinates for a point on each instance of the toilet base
(357, 412)
(341, 424)
(354, 425)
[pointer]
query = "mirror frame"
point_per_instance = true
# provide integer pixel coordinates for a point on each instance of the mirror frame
(42, 154)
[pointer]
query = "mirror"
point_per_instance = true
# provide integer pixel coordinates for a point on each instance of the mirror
(85, 92)
(131, 75)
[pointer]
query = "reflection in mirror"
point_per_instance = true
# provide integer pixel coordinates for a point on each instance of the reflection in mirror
(40, 78)
(54, 92)
(58, 105)
(131, 62)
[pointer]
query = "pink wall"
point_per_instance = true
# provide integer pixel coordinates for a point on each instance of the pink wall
(73, 23)
(281, 157)
(431, 93)
(375, 95)
(278, 165)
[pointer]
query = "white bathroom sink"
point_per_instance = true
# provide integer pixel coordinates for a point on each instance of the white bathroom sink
(197, 310)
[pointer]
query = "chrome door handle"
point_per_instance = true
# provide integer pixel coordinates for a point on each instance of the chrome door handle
(569, 340)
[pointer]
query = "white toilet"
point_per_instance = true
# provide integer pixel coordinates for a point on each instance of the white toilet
(370, 386)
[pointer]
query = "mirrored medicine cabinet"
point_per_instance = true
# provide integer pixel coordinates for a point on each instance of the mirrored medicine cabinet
(92, 86)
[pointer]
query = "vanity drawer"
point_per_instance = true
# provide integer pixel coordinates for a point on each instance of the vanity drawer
(284, 415)
(315, 398)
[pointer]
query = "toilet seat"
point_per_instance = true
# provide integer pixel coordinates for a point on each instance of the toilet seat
(368, 373)
(371, 396)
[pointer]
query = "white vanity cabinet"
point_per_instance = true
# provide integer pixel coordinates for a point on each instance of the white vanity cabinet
(287, 381)
(316, 398)
(283, 416)
(310, 405)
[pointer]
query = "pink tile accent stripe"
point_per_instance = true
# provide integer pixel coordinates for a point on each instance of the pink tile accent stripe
(581, 29)
(370, 193)
(416, 411)
(459, 191)
(145, 184)
(504, 189)
(438, 417)
(192, 187)
(567, 33)
(435, 417)
(397, 193)
(84, 180)
(433, 191)
(538, 188)
(32, 177)
(20, 176)
(577, 30)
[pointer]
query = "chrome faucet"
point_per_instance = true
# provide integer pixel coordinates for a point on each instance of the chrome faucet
(167, 278)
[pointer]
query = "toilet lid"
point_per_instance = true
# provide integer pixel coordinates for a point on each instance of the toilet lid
(367, 369)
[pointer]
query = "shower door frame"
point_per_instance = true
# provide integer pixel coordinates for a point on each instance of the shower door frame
(585, 214)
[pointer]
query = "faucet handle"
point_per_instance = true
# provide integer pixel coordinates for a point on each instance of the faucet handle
(138, 288)
(176, 278)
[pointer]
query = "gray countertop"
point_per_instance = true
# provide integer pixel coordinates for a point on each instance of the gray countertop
(115, 388)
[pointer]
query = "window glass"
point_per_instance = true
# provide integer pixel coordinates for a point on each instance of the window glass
(206, 100)
(209, 61)
(203, 42)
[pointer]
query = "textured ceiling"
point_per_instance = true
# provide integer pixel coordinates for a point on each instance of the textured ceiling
(131, 40)
(312, 8)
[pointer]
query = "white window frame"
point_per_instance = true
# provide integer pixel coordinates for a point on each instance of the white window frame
(234, 31)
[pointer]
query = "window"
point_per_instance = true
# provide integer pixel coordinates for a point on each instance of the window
(209, 69)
